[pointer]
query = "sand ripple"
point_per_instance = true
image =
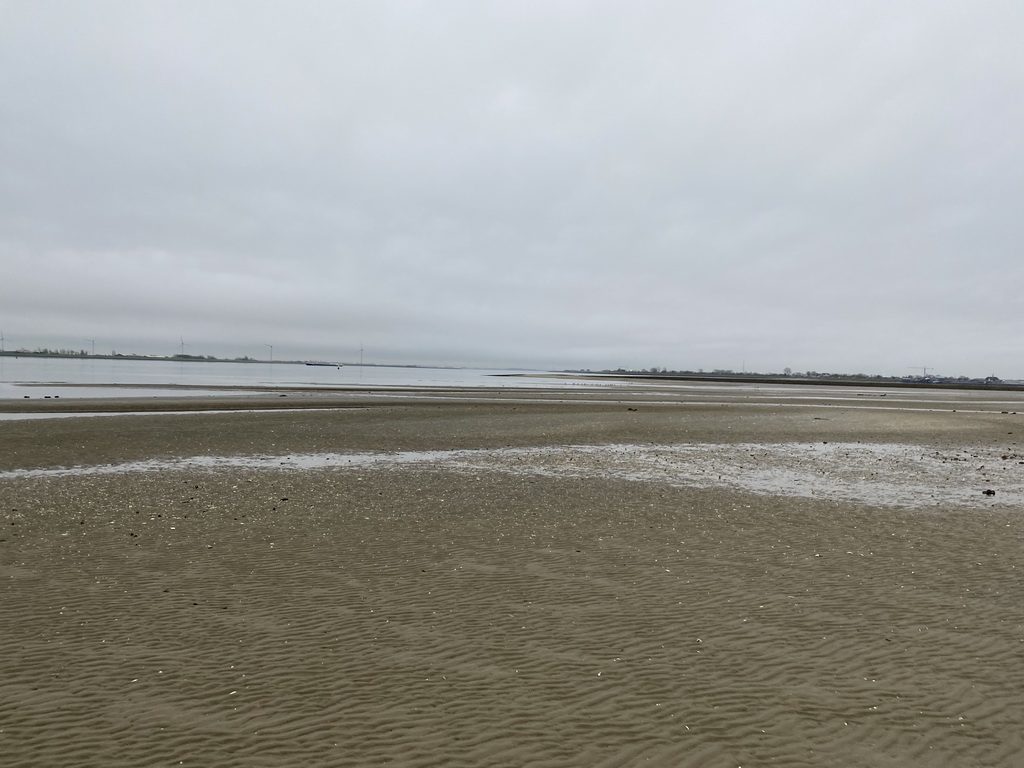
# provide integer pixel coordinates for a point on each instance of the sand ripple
(470, 612)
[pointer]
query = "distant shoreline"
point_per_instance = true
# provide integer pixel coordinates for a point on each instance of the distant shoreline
(824, 379)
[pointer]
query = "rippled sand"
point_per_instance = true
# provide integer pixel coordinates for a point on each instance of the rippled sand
(548, 585)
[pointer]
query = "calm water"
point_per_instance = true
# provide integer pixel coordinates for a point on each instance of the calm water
(95, 378)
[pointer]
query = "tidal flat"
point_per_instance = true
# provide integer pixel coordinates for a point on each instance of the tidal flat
(529, 578)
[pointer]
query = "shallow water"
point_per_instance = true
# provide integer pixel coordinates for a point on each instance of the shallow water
(88, 377)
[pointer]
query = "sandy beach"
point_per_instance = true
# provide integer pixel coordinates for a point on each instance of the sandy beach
(513, 579)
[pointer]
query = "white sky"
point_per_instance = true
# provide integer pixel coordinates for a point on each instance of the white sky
(835, 186)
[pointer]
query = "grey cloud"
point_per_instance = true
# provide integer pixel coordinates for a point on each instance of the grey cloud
(826, 186)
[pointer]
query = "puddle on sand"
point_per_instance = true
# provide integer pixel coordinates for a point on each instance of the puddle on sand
(879, 474)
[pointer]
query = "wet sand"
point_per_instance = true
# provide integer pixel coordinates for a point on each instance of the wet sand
(537, 579)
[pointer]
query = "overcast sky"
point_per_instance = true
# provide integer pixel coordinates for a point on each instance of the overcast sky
(831, 186)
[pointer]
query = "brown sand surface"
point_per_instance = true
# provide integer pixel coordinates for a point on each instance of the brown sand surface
(520, 604)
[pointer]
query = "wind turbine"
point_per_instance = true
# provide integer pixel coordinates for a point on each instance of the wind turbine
(181, 349)
(271, 351)
(1, 341)
(93, 346)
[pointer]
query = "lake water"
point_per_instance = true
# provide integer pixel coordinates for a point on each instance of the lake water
(41, 376)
